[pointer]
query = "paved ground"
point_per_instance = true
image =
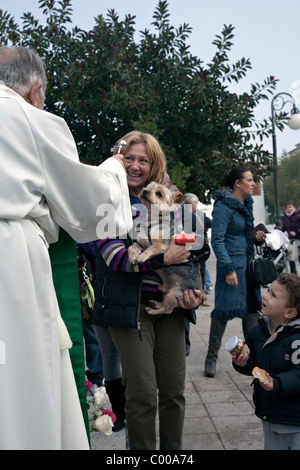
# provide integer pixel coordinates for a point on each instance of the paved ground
(219, 410)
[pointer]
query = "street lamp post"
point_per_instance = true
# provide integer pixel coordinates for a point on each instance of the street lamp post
(293, 123)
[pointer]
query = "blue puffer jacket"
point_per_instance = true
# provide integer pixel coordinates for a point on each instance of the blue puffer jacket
(279, 355)
(233, 247)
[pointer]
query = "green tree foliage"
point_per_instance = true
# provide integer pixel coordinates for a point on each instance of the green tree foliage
(289, 187)
(105, 83)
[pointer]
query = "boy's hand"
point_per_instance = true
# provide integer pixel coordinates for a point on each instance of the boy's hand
(240, 360)
(268, 387)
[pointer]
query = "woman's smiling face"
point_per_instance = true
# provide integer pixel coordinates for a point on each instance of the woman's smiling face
(138, 167)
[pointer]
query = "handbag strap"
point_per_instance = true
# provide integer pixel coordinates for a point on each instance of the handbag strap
(259, 250)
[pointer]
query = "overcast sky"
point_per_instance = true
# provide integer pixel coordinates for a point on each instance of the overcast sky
(266, 31)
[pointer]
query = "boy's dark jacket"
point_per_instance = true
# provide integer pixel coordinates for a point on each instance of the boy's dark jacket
(279, 355)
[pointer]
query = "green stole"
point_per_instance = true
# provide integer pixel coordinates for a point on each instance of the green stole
(65, 277)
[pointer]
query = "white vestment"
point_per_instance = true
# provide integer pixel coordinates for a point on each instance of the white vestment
(43, 186)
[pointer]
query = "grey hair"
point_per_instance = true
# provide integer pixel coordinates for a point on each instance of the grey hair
(190, 198)
(21, 68)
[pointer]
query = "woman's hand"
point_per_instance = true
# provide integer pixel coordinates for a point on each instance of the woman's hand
(231, 279)
(176, 254)
(191, 299)
(260, 236)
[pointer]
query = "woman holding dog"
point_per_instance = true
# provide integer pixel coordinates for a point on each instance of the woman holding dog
(151, 347)
(234, 248)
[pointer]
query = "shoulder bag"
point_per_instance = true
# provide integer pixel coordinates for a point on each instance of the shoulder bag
(261, 271)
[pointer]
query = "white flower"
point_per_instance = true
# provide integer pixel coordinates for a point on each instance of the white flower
(100, 397)
(104, 425)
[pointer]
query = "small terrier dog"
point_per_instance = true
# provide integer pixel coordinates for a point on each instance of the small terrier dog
(155, 238)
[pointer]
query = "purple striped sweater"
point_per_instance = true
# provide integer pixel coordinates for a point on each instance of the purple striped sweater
(115, 255)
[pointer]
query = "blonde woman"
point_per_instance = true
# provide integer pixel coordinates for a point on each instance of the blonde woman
(151, 348)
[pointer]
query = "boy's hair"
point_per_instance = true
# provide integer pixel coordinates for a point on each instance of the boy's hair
(292, 284)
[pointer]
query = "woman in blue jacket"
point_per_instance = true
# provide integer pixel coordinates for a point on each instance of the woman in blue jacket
(233, 246)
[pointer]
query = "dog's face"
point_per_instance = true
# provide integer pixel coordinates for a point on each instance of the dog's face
(159, 194)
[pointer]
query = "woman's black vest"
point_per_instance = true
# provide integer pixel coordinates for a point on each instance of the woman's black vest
(117, 295)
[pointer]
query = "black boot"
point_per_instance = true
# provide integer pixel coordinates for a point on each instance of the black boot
(116, 393)
(217, 328)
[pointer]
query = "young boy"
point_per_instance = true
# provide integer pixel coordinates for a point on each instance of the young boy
(275, 347)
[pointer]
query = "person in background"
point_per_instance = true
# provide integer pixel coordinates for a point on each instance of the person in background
(167, 181)
(93, 358)
(103, 346)
(205, 223)
(232, 220)
(43, 187)
(208, 283)
(291, 225)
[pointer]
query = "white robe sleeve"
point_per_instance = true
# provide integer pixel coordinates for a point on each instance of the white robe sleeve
(53, 187)
(78, 194)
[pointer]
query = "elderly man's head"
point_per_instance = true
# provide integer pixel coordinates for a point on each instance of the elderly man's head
(22, 70)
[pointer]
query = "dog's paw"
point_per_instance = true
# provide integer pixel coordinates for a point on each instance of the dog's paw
(132, 258)
(142, 257)
(153, 304)
(151, 311)
(132, 255)
(157, 311)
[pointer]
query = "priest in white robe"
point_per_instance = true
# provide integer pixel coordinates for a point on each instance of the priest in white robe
(43, 186)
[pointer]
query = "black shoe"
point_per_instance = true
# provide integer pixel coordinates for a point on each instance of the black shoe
(116, 393)
(118, 424)
(210, 368)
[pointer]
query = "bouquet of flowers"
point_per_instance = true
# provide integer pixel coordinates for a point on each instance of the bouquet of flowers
(104, 418)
